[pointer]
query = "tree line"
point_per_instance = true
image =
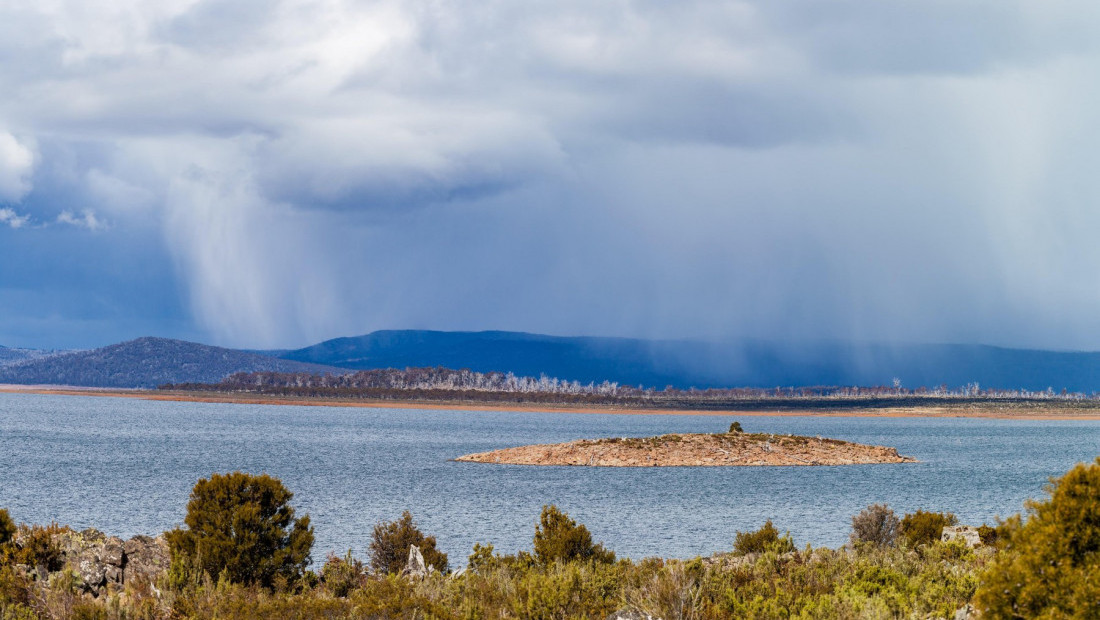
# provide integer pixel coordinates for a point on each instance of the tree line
(443, 384)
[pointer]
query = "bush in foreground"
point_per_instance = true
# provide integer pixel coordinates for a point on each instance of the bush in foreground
(342, 575)
(7, 526)
(925, 528)
(765, 539)
(242, 526)
(876, 525)
(1050, 565)
(390, 542)
(878, 582)
(557, 537)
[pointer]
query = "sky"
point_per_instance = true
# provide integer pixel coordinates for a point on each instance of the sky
(274, 173)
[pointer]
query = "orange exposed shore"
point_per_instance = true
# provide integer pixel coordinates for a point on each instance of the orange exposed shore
(1051, 412)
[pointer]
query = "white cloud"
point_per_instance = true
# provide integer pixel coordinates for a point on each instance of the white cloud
(16, 166)
(85, 219)
(11, 218)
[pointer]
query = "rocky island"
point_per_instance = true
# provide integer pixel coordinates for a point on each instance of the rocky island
(695, 450)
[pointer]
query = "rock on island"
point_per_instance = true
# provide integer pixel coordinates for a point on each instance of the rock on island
(694, 450)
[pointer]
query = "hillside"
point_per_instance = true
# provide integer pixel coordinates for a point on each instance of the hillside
(147, 362)
(10, 355)
(684, 363)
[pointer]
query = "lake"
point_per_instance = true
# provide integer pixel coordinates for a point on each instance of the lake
(126, 466)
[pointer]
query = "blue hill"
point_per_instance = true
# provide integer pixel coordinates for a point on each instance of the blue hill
(684, 363)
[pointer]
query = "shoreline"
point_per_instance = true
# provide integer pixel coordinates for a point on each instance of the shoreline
(1052, 413)
(993, 413)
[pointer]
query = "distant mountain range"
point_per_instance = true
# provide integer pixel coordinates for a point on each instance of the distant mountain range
(146, 362)
(149, 362)
(684, 363)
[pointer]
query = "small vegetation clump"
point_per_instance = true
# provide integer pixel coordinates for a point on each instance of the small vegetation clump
(390, 542)
(342, 575)
(925, 528)
(989, 535)
(559, 538)
(735, 428)
(7, 527)
(875, 525)
(242, 526)
(765, 539)
(37, 547)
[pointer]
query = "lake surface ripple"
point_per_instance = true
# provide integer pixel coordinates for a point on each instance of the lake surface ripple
(126, 466)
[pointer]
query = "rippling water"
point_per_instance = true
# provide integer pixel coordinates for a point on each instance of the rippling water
(126, 467)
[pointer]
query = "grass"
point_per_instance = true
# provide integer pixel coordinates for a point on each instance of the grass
(870, 582)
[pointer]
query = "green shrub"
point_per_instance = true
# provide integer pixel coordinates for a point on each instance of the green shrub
(735, 428)
(38, 548)
(342, 575)
(241, 526)
(14, 591)
(7, 527)
(876, 525)
(988, 535)
(766, 538)
(925, 528)
(557, 537)
(1048, 569)
(390, 542)
(481, 558)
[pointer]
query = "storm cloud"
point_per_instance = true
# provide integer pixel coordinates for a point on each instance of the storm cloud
(274, 173)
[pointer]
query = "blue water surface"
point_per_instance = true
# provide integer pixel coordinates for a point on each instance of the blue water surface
(126, 466)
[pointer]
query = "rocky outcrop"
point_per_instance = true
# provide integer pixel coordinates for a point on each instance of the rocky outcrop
(146, 559)
(966, 533)
(99, 562)
(415, 566)
(695, 450)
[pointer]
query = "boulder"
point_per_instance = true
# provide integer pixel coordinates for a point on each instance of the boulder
(91, 569)
(966, 533)
(95, 558)
(100, 561)
(113, 551)
(415, 566)
(146, 558)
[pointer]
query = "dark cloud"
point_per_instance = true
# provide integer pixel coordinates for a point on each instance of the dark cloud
(268, 174)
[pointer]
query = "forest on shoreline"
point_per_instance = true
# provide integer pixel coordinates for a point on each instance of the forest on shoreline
(443, 385)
